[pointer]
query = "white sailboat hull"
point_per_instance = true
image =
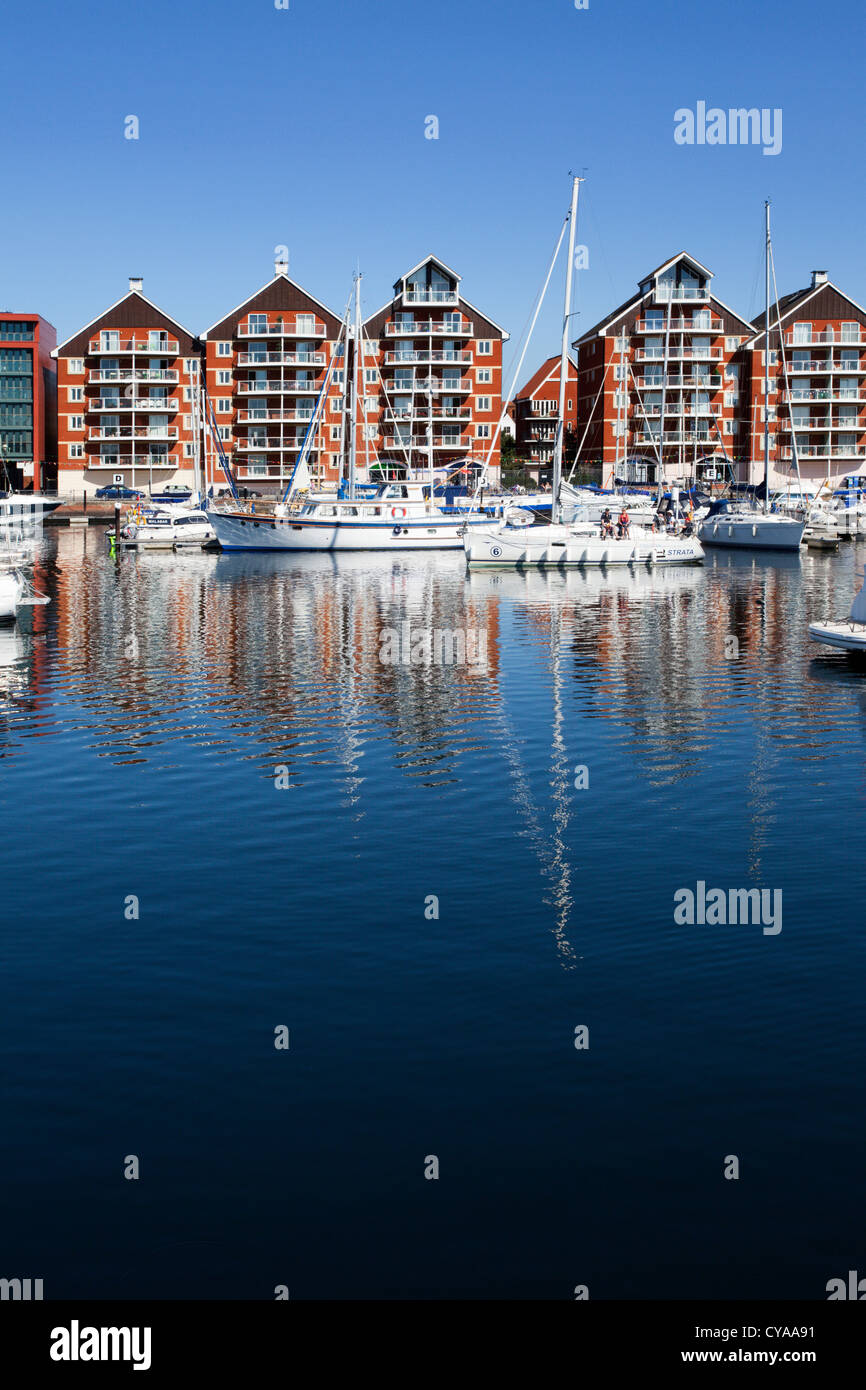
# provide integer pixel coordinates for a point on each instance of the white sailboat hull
(11, 590)
(262, 531)
(756, 532)
(560, 546)
(846, 636)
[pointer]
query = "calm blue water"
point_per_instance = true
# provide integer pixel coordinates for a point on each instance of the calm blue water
(144, 717)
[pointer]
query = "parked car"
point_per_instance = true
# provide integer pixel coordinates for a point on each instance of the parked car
(244, 492)
(118, 492)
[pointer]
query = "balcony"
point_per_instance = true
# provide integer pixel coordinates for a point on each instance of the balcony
(823, 451)
(143, 404)
(403, 359)
(705, 384)
(423, 294)
(310, 329)
(166, 347)
(828, 335)
(271, 445)
(829, 395)
(439, 412)
(676, 437)
(124, 433)
(458, 386)
(824, 367)
(666, 294)
(679, 325)
(394, 441)
(681, 354)
(282, 359)
(653, 412)
(420, 327)
(279, 388)
(247, 417)
(115, 461)
(826, 422)
(106, 375)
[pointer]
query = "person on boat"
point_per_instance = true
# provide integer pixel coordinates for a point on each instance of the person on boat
(623, 524)
(606, 524)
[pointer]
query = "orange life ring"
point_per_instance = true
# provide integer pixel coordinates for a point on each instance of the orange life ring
(398, 511)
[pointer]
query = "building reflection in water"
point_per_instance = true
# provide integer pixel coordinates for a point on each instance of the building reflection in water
(278, 660)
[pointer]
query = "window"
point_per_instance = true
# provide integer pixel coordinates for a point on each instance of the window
(76, 393)
(225, 432)
(76, 422)
(727, 424)
(619, 372)
(569, 405)
(336, 433)
(223, 378)
(76, 451)
(482, 431)
(336, 404)
(485, 347)
(484, 376)
(802, 332)
(339, 377)
(223, 405)
(370, 375)
(223, 349)
(305, 323)
(483, 403)
(187, 451)
(76, 365)
(191, 366)
(187, 393)
(731, 344)
(850, 333)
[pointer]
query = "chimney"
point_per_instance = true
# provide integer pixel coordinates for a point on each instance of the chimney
(819, 277)
(135, 284)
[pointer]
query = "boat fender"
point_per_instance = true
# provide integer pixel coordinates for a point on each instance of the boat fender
(396, 530)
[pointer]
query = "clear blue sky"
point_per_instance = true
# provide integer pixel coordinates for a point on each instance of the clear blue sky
(305, 126)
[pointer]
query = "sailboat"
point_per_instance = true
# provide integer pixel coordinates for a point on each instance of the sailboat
(747, 528)
(579, 542)
(399, 515)
(849, 633)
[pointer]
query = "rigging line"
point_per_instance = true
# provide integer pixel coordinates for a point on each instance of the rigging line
(630, 372)
(589, 421)
(318, 411)
(504, 416)
(794, 445)
(389, 409)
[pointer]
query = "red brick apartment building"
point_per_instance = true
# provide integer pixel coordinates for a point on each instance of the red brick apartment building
(535, 408)
(265, 365)
(126, 385)
(432, 376)
(662, 381)
(817, 387)
(28, 391)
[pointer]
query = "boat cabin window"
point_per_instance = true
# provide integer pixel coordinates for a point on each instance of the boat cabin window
(372, 511)
(394, 490)
(349, 511)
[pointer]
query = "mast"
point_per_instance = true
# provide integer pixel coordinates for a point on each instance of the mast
(353, 448)
(563, 360)
(767, 361)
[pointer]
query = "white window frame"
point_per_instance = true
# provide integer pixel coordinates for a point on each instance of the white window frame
(223, 378)
(223, 349)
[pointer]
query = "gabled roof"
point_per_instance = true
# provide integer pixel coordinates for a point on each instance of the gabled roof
(617, 313)
(680, 256)
(131, 294)
(441, 264)
(246, 303)
(548, 369)
(796, 300)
